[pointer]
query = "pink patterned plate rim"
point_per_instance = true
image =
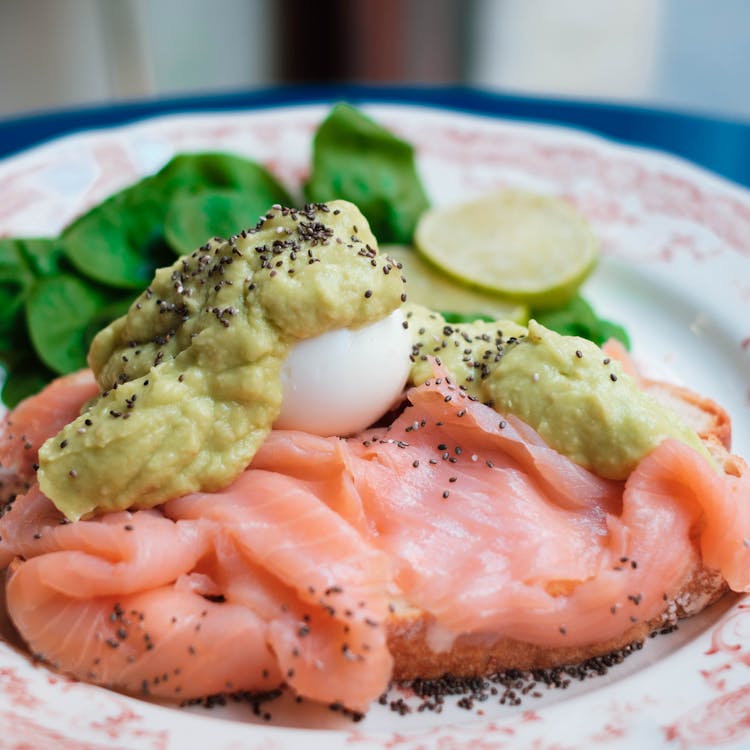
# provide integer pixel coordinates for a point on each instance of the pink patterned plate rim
(675, 271)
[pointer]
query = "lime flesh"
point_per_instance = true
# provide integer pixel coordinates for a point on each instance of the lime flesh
(531, 248)
(428, 286)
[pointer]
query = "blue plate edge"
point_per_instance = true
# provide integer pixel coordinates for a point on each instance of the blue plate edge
(719, 145)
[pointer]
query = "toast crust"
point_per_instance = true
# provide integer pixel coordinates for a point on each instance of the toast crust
(473, 656)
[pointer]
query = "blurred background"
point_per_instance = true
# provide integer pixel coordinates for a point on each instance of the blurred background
(690, 55)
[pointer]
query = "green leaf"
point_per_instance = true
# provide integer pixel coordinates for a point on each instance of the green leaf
(25, 377)
(356, 159)
(217, 171)
(44, 255)
(454, 317)
(16, 279)
(121, 241)
(194, 218)
(578, 318)
(610, 330)
(22, 261)
(58, 311)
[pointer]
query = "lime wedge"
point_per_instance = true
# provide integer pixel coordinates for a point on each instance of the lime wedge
(428, 286)
(531, 248)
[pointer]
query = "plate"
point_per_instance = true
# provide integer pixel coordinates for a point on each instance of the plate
(675, 270)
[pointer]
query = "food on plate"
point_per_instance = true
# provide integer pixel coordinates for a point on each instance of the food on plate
(356, 158)
(57, 292)
(431, 288)
(191, 377)
(564, 387)
(577, 318)
(530, 502)
(323, 378)
(531, 248)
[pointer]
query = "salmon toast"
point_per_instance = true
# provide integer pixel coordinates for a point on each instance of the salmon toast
(453, 540)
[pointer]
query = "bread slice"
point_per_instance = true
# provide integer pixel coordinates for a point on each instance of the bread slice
(479, 655)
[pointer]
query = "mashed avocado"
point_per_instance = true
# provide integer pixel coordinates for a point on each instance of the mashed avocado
(579, 400)
(191, 384)
(190, 377)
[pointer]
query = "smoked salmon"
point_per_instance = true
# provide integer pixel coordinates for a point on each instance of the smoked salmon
(40, 417)
(290, 574)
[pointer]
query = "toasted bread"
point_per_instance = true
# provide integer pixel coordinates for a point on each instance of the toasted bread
(478, 655)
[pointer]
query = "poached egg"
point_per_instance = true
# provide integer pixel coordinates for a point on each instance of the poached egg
(343, 381)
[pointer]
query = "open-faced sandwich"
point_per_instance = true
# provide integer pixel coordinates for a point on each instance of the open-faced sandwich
(279, 471)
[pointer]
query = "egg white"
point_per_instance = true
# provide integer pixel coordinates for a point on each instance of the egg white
(344, 380)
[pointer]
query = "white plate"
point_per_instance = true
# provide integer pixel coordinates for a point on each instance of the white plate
(676, 271)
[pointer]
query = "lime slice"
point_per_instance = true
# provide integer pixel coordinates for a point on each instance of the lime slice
(532, 248)
(428, 286)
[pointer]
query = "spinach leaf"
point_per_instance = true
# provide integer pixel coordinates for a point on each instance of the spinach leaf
(121, 241)
(26, 375)
(24, 372)
(577, 318)
(22, 261)
(217, 171)
(58, 310)
(194, 218)
(56, 293)
(16, 274)
(44, 255)
(16, 279)
(454, 317)
(356, 159)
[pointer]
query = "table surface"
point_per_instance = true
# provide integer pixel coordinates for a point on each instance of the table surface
(720, 145)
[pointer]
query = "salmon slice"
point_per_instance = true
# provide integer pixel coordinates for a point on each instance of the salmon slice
(321, 464)
(330, 588)
(475, 427)
(23, 521)
(308, 640)
(38, 418)
(721, 502)
(102, 600)
(310, 606)
(461, 499)
(116, 553)
(164, 642)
